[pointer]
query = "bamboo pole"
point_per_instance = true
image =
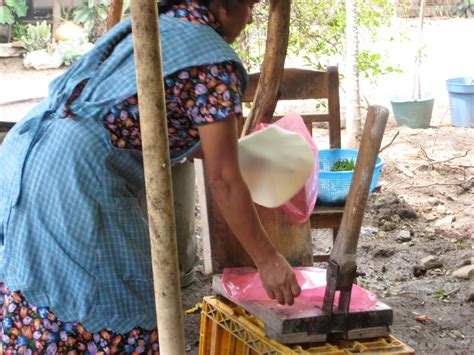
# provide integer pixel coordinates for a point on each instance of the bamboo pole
(157, 176)
(266, 96)
(115, 13)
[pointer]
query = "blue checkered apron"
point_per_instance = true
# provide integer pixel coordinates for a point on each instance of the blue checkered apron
(73, 237)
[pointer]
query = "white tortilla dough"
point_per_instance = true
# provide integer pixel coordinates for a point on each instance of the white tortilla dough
(275, 164)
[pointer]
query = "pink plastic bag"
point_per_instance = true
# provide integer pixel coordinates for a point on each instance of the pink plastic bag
(243, 284)
(300, 207)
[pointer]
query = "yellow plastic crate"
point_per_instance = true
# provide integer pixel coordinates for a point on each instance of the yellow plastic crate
(227, 329)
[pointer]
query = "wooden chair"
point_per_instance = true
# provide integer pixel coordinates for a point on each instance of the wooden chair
(297, 84)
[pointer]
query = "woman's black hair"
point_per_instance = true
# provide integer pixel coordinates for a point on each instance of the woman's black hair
(165, 5)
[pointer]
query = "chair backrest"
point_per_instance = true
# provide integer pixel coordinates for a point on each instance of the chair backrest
(303, 84)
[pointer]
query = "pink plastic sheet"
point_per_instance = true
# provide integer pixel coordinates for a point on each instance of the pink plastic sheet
(300, 207)
(243, 284)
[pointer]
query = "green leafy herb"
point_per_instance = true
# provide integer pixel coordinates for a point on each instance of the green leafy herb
(343, 165)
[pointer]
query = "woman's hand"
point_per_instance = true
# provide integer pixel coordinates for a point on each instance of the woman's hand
(279, 280)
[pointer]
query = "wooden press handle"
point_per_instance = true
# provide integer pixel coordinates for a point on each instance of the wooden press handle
(346, 241)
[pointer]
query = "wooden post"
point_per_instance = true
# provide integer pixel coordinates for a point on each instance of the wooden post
(158, 176)
(266, 96)
(115, 13)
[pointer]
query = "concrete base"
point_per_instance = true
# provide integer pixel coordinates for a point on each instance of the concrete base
(7, 50)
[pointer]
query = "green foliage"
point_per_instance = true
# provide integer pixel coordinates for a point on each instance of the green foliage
(371, 67)
(6, 15)
(317, 31)
(37, 36)
(12, 9)
(251, 44)
(343, 164)
(464, 9)
(317, 34)
(92, 14)
(19, 30)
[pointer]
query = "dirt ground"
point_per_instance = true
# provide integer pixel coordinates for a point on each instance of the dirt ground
(422, 207)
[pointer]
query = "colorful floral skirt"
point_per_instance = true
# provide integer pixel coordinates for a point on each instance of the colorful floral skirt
(36, 330)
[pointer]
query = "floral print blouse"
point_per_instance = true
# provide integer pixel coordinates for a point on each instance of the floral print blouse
(194, 96)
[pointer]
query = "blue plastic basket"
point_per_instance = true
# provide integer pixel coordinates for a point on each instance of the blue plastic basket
(334, 185)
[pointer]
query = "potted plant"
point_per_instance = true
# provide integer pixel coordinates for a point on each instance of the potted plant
(415, 111)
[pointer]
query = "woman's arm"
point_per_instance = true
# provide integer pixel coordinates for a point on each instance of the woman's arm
(220, 151)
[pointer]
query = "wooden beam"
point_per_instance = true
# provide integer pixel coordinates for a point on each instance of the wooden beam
(321, 258)
(159, 189)
(297, 84)
(326, 217)
(115, 13)
(267, 93)
(308, 119)
(334, 109)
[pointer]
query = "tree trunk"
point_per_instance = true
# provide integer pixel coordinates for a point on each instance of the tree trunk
(416, 82)
(56, 14)
(353, 121)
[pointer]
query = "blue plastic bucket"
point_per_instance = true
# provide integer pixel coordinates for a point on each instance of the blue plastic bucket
(413, 113)
(461, 97)
(334, 185)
